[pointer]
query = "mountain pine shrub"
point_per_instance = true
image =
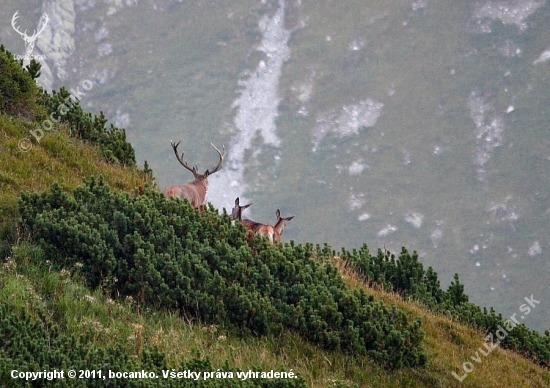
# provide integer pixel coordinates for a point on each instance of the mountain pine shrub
(86, 126)
(20, 96)
(406, 276)
(166, 253)
(18, 90)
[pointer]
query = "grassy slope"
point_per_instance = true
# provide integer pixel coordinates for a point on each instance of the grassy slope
(28, 281)
(58, 157)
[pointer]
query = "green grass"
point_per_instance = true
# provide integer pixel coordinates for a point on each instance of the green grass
(57, 158)
(29, 280)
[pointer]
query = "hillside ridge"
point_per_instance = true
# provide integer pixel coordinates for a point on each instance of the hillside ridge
(44, 287)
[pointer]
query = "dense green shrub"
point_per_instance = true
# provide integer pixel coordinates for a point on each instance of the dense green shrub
(86, 126)
(18, 90)
(167, 253)
(20, 96)
(406, 276)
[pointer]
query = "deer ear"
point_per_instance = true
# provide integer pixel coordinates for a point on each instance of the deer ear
(278, 213)
(237, 201)
(289, 218)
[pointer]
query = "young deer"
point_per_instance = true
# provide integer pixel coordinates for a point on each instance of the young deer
(272, 232)
(280, 225)
(194, 191)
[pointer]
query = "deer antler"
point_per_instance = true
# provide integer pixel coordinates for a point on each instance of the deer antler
(219, 165)
(13, 19)
(44, 18)
(180, 158)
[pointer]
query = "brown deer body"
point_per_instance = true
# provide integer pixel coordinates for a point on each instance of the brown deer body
(194, 191)
(272, 232)
(280, 225)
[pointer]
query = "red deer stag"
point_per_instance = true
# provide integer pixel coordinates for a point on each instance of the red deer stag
(194, 191)
(272, 232)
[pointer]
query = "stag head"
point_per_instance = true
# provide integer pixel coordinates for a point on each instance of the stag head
(194, 191)
(30, 40)
(195, 170)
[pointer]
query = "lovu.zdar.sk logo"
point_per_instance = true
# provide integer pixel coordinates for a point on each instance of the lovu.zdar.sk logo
(30, 40)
